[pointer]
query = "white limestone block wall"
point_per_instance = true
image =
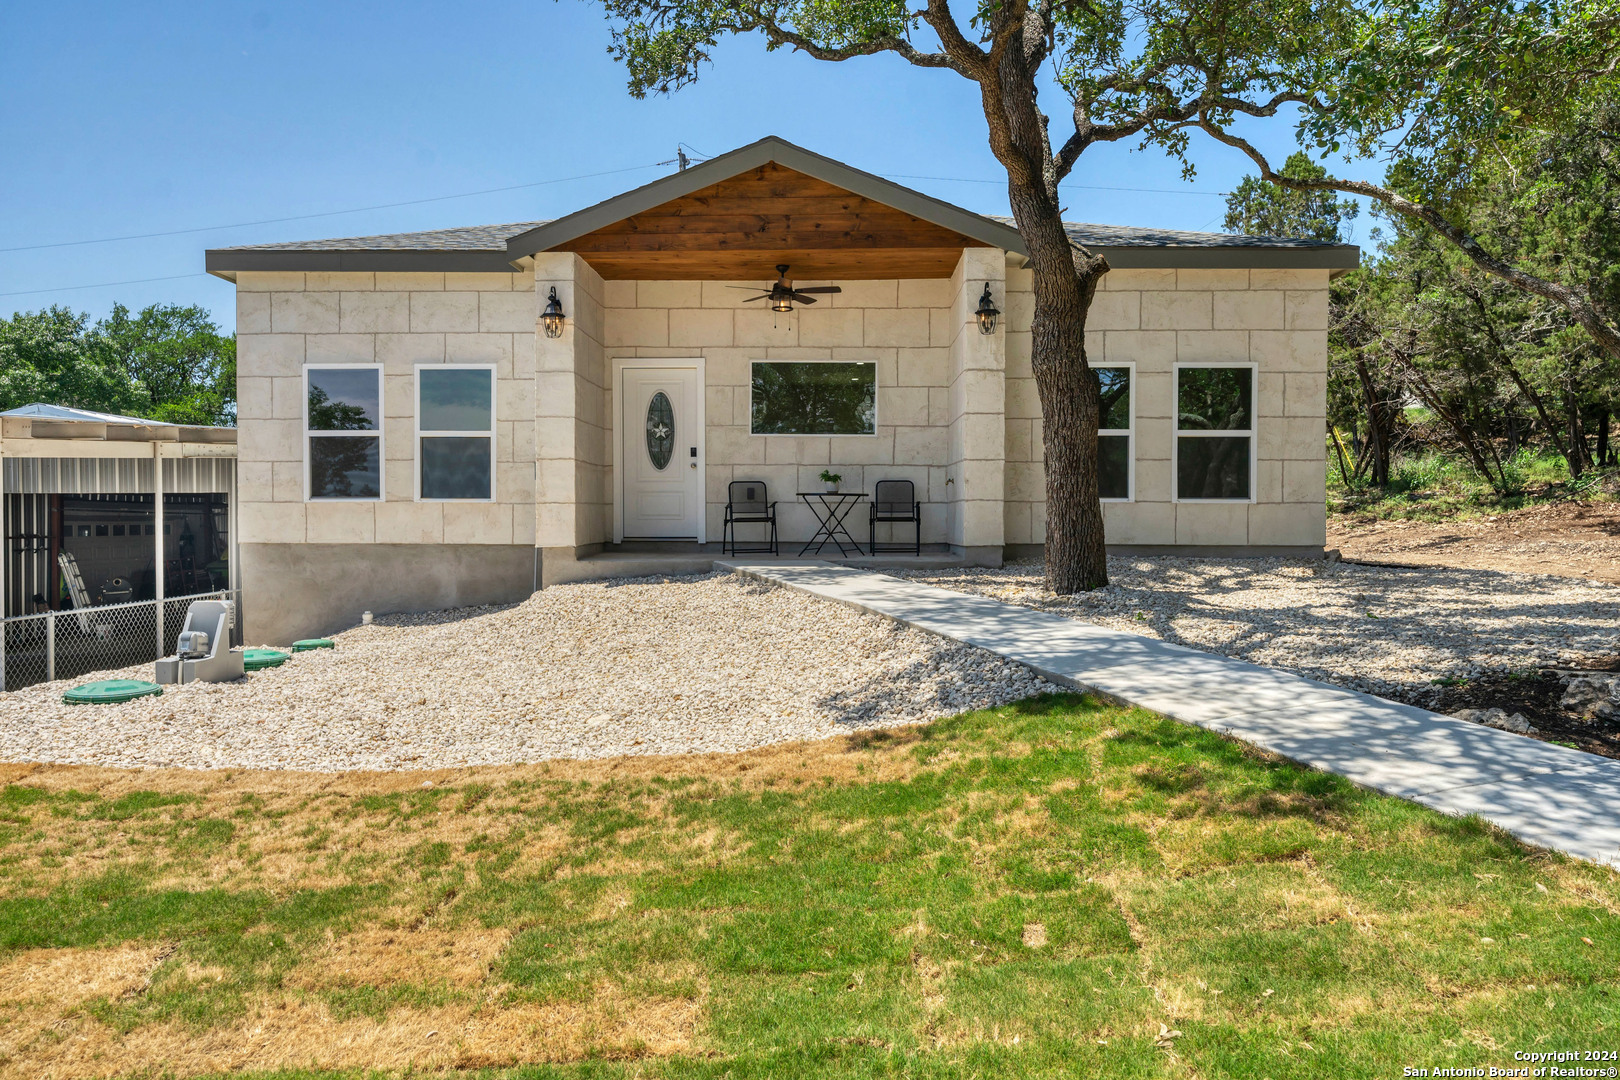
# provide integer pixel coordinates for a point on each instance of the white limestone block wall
(906, 327)
(1276, 319)
(398, 320)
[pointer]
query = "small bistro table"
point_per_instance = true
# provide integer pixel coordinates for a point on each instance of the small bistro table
(831, 508)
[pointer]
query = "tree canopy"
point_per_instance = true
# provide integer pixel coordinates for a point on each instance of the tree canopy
(167, 362)
(1260, 208)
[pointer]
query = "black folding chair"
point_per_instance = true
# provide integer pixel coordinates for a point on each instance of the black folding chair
(896, 501)
(747, 503)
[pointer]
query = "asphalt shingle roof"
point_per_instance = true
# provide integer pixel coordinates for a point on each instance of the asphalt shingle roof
(465, 238)
(493, 238)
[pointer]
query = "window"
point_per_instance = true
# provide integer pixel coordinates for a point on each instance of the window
(1116, 433)
(343, 431)
(455, 432)
(1215, 447)
(814, 398)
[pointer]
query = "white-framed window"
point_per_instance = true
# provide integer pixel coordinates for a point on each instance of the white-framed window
(813, 397)
(343, 438)
(455, 432)
(1116, 432)
(1213, 458)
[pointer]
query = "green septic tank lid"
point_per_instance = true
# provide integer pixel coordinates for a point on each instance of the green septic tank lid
(111, 692)
(254, 659)
(312, 643)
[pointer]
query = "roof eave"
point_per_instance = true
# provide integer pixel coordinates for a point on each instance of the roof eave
(771, 149)
(1337, 257)
(223, 261)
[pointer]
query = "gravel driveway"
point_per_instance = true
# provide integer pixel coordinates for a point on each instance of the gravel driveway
(642, 666)
(1383, 630)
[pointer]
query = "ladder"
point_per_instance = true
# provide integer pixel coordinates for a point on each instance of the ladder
(81, 595)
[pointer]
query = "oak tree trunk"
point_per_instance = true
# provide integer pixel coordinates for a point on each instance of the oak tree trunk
(1064, 281)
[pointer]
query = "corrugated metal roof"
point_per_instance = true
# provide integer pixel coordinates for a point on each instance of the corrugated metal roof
(45, 418)
(41, 411)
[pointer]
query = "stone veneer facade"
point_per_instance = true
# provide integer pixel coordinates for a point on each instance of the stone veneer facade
(957, 414)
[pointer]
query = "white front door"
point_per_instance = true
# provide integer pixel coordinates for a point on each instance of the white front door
(661, 452)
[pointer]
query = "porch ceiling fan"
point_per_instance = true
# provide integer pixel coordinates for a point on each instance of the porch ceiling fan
(782, 293)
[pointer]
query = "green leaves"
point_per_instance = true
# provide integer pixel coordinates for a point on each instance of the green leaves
(1259, 208)
(168, 362)
(663, 44)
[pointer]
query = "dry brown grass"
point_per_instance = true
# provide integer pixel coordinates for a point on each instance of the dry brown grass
(68, 977)
(395, 957)
(310, 805)
(292, 1033)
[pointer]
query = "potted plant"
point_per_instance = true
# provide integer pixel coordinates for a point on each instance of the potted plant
(831, 479)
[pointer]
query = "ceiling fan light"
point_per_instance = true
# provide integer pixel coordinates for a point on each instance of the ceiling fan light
(781, 303)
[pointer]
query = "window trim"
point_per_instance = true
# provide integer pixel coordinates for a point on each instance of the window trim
(1252, 432)
(876, 402)
(382, 425)
(1129, 433)
(437, 433)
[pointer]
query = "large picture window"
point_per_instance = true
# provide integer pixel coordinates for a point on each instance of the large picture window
(1215, 446)
(814, 398)
(1116, 432)
(455, 432)
(343, 432)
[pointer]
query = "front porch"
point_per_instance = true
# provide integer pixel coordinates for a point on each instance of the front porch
(649, 394)
(634, 559)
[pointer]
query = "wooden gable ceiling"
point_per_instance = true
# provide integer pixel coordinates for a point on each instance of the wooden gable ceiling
(740, 229)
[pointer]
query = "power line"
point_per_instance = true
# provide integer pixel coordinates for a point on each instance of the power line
(323, 214)
(102, 285)
(1088, 187)
(466, 195)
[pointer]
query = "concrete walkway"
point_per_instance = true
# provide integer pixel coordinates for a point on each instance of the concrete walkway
(1546, 795)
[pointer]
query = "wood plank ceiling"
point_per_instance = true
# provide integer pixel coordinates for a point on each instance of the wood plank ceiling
(741, 228)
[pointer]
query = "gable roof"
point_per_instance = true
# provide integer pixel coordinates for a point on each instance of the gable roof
(499, 248)
(769, 150)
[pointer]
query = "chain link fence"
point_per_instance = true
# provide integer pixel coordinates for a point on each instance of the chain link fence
(68, 644)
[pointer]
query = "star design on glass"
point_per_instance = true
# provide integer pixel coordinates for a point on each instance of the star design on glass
(661, 431)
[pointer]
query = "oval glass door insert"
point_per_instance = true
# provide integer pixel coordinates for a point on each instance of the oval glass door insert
(660, 430)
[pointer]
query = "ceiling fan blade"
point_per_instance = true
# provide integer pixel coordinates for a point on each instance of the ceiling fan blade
(761, 296)
(803, 299)
(742, 287)
(820, 289)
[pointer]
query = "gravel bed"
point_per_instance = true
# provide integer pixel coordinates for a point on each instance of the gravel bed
(1384, 630)
(634, 666)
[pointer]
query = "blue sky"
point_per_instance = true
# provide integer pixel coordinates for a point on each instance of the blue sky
(122, 119)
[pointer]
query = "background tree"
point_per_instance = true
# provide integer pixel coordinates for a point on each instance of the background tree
(1497, 369)
(1122, 65)
(168, 363)
(1260, 208)
(186, 367)
(1440, 93)
(55, 356)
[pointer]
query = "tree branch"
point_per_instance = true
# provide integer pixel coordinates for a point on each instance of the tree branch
(1581, 307)
(777, 34)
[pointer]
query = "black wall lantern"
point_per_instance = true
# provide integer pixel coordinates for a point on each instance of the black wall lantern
(987, 312)
(552, 317)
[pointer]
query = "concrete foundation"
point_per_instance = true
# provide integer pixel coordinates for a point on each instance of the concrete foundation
(297, 591)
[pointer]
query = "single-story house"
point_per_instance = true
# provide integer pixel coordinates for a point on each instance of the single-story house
(415, 432)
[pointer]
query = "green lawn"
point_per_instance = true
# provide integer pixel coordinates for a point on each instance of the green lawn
(1058, 889)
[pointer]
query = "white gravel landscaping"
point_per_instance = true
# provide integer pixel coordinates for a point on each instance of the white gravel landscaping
(1381, 630)
(639, 666)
